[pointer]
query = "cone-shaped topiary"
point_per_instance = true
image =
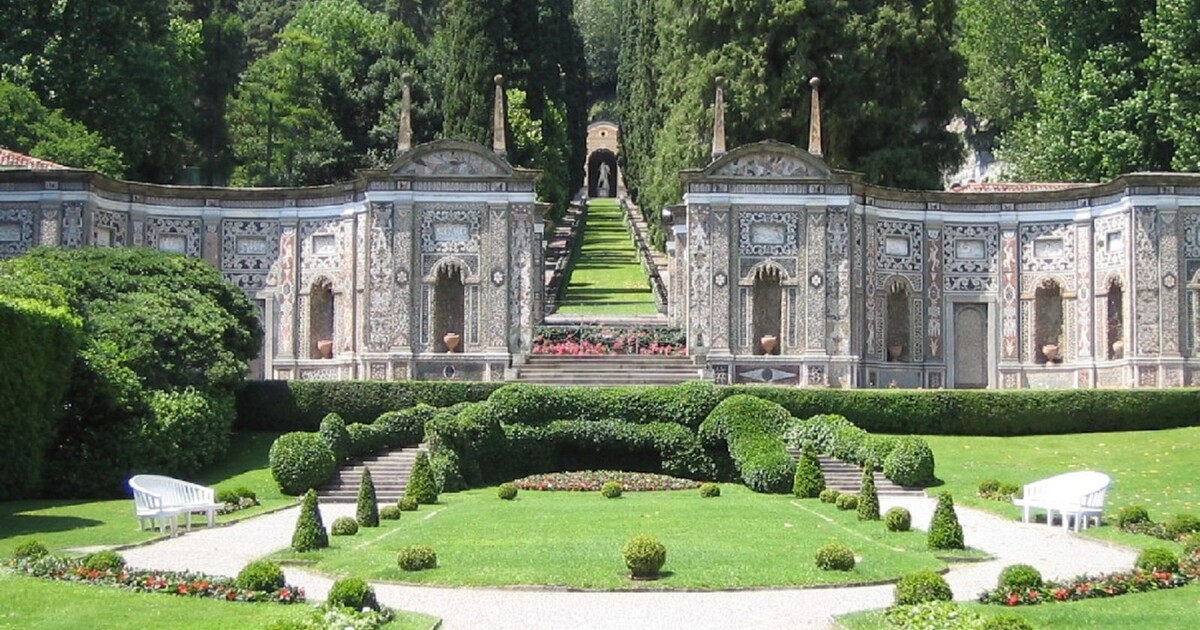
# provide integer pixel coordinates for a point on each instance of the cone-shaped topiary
(809, 480)
(868, 496)
(368, 509)
(310, 531)
(944, 530)
(421, 485)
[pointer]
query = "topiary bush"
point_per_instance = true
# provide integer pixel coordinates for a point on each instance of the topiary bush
(104, 561)
(261, 575)
(300, 461)
(1005, 622)
(1018, 578)
(898, 519)
(228, 496)
(1157, 559)
(30, 549)
(506, 491)
(389, 513)
(353, 593)
(847, 502)
(751, 429)
(868, 496)
(936, 615)
(910, 463)
(611, 489)
(1132, 515)
(809, 481)
(988, 487)
(835, 557)
(709, 490)
(645, 556)
(421, 485)
(945, 532)
(310, 532)
(344, 526)
(1181, 525)
(407, 504)
(829, 495)
(416, 558)
(367, 510)
(920, 587)
(333, 433)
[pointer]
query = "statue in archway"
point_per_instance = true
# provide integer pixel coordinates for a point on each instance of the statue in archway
(602, 183)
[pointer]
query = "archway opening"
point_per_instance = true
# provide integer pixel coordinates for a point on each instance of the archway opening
(602, 173)
(1048, 327)
(1115, 320)
(320, 320)
(448, 301)
(768, 311)
(899, 323)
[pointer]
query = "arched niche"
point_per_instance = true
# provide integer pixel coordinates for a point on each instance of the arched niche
(320, 319)
(1048, 322)
(767, 314)
(1114, 319)
(898, 329)
(602, 162)
(449, 307)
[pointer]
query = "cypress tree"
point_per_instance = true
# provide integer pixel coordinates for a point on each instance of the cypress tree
(868, 496)
(421, 485)
(473, 40)
(310, 532)
(368, 508)
(809, 480)
(944, 530)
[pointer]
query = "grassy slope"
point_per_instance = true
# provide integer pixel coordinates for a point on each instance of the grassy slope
(575, 539)
(607, 278)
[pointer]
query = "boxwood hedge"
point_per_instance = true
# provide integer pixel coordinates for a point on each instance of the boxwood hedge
(753, 430)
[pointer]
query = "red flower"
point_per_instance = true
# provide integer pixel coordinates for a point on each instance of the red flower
(1060, 594)
(1012, 599)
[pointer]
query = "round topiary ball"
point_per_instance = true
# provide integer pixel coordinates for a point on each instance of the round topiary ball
(1157, 559)
(910, 463)
(301, 460)
(709, 490)
(898, 519)
(31, 549)
(921, 587)
(260, 575)
(1005, 622)
(644, 556)
(104, 561)
(1132, 515)
(353, 593)
(416, 558)
(389, 513)
(1181, 525)
(829, 495)
(1018, 578)
(407, 504)
(835, 557)
(611, 489)
(344, 526)
(847, 502)
(506, 491)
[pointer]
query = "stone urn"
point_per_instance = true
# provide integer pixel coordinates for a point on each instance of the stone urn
(451, 339)
(1118, 348)
(768, 343)
(325, 348)
(894, 351)
(1050, 351)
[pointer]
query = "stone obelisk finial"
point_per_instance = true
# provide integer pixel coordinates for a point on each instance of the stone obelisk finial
(718, 139)
(498, 119)
(814, 119)
(404, 126)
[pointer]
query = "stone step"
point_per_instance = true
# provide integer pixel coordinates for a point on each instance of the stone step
(847, 477)
(389, 473)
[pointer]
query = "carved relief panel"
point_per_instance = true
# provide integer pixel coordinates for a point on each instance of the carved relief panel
(16, 231)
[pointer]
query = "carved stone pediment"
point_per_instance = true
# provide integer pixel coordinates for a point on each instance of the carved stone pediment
(769, 159)
(447, 158)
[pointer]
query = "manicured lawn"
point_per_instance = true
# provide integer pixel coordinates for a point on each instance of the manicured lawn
(69, 524)
(1174, 609)
(607, 278)
(740, 539)
(1155, 469)
(36, 603)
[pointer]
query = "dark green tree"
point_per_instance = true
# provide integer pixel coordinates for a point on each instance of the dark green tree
(421, 486)
(809, 480)
(945, 532)
(367, 511)
(472, 51)
(868, 496)
(222, 48)
(28, 126)
(599, 24)
(310, 533)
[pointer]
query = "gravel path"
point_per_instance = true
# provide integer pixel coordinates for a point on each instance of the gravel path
(1057, 554)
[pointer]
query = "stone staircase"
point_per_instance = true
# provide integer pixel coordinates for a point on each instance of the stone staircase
(608, 369)
(389, 472)
(846, 477)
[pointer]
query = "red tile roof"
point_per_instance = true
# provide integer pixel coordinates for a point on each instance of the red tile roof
(14, 160)
(1001, 187)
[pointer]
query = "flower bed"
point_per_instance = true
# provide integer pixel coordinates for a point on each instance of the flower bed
(1103, 585)
(564, 340)
(184, 584)
(591, 480)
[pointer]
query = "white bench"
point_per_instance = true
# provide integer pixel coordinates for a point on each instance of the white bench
(160, 501)
(1075, 495)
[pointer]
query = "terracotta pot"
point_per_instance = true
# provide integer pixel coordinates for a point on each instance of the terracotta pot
(1118, 348)
(768, 343)
(894, 351)
(451, 339)
(325, 348)
(1050, 350)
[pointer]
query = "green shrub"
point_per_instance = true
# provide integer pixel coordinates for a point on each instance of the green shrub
(333, 433)
(447, 472)
(611, 489)
(847, 501)
(829, 495)
(1132, 515)
(261, 575)
(686, 404)
(1009, 489)
(898, 519)
(644, 555)
(353, 593)
(506, 491)
(709, 490)
(1191, 544)
(1181, 525)
(936, 615)
(104, 561)
(835, 557)
(910, 463)
(246, 493)
(367, 509)
(809, 481)
(920, 587)
(407, 504)
(31, 549)
(389, 513)
(421, 486)
(344, 526)
(310, 532)
(228, 496)
(1018, 578)
(868, 496)
(416, 558)
(945, 532)
(364, 438)
(752, 429)
(403, 428)
(988, 487)
(300, 461)
(1157, 559)
(1005, 622)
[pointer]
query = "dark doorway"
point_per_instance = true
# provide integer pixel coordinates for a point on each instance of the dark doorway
(602, 173)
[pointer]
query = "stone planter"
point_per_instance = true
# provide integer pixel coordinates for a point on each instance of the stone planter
(1050, 351)
(451, 340)
(325, 348)
(768, 343)
(894, 352)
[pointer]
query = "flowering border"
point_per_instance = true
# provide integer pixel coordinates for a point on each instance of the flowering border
(592, 480)
(1103, 585)
(598, 340)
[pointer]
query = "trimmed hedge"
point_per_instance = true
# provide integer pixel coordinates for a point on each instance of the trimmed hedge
(657, 447)
(300, 461)
(906, 460)
(752, 429)
(687, 403)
